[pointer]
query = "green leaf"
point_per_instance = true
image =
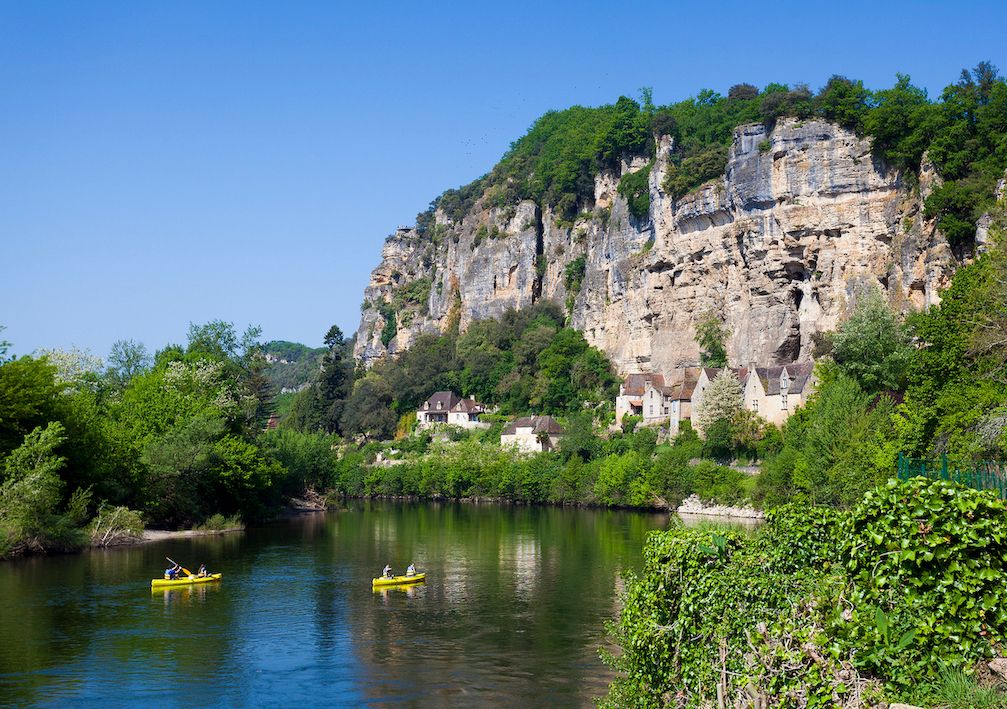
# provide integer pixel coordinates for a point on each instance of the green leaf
(906, 639)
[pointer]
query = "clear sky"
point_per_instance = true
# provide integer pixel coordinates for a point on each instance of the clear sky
(162, 163)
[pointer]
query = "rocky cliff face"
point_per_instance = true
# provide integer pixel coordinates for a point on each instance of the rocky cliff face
(802, 220)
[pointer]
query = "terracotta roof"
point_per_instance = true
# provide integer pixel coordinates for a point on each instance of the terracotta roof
(635, 384)
(538, 424)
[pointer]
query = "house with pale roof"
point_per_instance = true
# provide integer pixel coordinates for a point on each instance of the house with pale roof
(774, 392)
(532, 434)
(445, 407)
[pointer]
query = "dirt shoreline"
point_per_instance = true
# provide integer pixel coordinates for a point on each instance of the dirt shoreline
(157, 535)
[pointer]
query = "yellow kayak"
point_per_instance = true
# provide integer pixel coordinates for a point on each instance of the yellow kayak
(184, 581)
(398, 580)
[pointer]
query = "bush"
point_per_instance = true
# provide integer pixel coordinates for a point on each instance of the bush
(635, 188)
(717, 483)
(926, 561)
(819, 607)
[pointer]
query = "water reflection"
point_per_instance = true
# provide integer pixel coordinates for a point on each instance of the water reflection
(513, 609)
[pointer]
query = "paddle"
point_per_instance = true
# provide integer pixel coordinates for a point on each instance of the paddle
(187, 572)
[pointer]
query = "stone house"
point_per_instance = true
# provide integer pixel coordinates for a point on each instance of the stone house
(667, 400)
(774, 392)
(631, 393)
(663, 400)
(445, 407)
(532, 434)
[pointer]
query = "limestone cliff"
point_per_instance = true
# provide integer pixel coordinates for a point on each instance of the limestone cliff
(803, 217)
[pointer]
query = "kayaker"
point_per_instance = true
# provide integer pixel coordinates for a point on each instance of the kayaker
(202, 573)
(387, 572)
(411, 570)
(172, 573)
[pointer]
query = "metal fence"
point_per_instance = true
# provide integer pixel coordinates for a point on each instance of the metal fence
(979, 475)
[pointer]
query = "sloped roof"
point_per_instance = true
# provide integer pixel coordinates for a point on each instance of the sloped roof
(798, 372)
(538, 424)
(470, 406)
(447, 400)
(452, 402)
(635, 384)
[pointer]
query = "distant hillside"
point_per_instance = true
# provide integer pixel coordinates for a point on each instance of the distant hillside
(291, 364)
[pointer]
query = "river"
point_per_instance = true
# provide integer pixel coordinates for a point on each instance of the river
(512, 612)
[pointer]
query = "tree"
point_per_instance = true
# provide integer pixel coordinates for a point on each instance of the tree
(30, 396)
(31, 494)
(902, 124)
(127, 359)
(335, 378)
(369, 409)
(77, 369)
(4, 346)
(711, 336)
(872, 346)
(720, 402)
(742, 92)
(844, 101)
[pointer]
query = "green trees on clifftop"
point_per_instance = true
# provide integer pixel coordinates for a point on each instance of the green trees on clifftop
(964, 132)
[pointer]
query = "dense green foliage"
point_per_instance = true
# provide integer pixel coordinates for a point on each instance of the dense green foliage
(623, 470)
(821, 605)
(711, 336)
(176, 439)
(956, 401)
(527, 361)
(834, 448)
(635, 188)
(872, 346)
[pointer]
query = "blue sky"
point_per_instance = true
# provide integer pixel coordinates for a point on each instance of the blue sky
(176, 162)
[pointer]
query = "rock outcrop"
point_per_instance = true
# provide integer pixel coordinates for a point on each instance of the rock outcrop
(804, 218)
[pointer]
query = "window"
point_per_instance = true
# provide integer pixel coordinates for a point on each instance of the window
(755, 405)
(783, 400)
(438, 406)
(651, 409)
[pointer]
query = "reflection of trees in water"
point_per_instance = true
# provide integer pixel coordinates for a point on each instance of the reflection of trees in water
(74, 623)
(516, 594)
(513, 608)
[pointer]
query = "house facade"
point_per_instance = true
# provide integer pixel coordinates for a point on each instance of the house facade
(532, 434)
(445, 407)
(774, 392)
(667, 400)
(631, 394)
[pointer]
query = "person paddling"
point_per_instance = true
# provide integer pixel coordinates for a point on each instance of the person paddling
(202, 573)
(171, 573)
(387, 572)
(411, 570)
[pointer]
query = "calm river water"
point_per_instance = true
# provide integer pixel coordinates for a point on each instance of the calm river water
(512, 612)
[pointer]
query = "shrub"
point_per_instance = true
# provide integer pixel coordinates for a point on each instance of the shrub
(926, 561)
(635, 188)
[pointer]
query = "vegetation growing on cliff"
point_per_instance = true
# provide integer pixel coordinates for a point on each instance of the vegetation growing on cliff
(964, 132)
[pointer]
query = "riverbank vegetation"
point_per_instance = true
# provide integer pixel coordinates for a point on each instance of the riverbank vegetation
(91, 453)
(820, 607)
